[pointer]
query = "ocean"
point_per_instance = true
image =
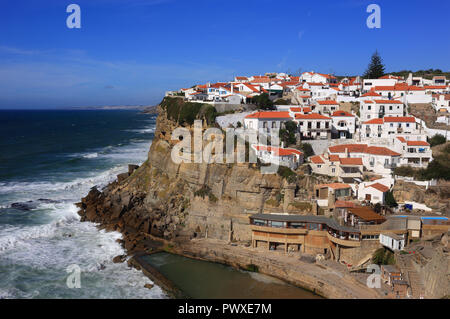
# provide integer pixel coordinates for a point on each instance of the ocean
(48, 161)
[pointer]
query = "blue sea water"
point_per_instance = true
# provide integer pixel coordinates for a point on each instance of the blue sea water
(48, 161)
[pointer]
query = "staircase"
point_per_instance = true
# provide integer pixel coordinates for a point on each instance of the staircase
(405, 264)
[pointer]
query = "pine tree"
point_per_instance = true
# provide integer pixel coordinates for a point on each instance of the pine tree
(375, 69)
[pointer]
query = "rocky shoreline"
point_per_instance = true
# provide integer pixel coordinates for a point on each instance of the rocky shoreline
(316, 278)
(201, 211)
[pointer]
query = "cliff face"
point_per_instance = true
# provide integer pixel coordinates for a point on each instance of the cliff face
(188, 200)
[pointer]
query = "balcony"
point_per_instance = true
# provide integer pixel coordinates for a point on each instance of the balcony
(390, 165)
(343, 241)
(279, 230)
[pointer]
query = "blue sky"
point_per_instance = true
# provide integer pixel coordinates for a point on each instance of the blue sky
(129, 52)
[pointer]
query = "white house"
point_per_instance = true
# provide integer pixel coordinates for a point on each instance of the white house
(289, 157)
(343, 124)
(317, 77)
(378, 159)
(390, 127)
(392, 241)
(265, 121)
(374, 193)
(346, 169)
(441, 102)
(370, 109)
(326, 106)
(313, 125)
(369, 84)
(415, 153)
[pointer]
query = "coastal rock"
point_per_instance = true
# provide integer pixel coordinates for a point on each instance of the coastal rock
(148, 286)
(119, 259)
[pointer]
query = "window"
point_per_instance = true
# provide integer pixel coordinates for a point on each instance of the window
(333, 170)
(259, 222)
(297, 225)
(369, 107)
(278, 224)
(390, 107)
(301, 123)
(327, 124)
(318, 124)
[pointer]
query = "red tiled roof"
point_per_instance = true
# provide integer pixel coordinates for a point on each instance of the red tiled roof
(351, 161)
(374, 121)
(417, 143)
(296, 109)
(334, 158)
(371, 93)
(278, 151)
(316, 159)
(362, 148)
(334, 185)
(388, 102)
(379, 187)
(379, 150)
(352, 148)
(401, 139)
(409, 119)
(343, 204)
(241, 78)
(432, 87)
(327, 102)
(269, 115)
(311, 116)
(342, 113)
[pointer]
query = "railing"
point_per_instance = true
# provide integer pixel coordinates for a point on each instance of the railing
(344, 242)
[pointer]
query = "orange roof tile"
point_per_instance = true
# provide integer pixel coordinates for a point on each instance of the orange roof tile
(311, 116)
(362, 148)
(374, 121)
(409, 119)
(334, 185)
(343, 204)
(401, 139)
(327, 102)
(351, 161)
(370, 93)
(316, 159)
(342, 113)
(379, 187)
(417, 143)
(388, 102)
(278, 151)
(269, 115)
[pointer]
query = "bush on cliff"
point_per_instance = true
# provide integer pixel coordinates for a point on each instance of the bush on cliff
(383, 256)
(187, 112)
(206, 191)
(439, 168)
(287, 174)
(437, 140)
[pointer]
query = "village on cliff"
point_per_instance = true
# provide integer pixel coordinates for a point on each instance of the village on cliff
(367, 135)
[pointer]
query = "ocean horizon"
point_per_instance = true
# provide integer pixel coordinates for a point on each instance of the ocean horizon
(49, 160)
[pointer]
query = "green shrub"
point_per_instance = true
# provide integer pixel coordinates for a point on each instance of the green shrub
(383, 256)
(287, 173)
(307, 150)
(206, 191)
(187, 112)
(437, 140)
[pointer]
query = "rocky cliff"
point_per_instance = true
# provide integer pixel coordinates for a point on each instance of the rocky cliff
(188, 200)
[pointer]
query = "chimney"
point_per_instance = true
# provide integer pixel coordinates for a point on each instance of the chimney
(231, 87)
(346, 152)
